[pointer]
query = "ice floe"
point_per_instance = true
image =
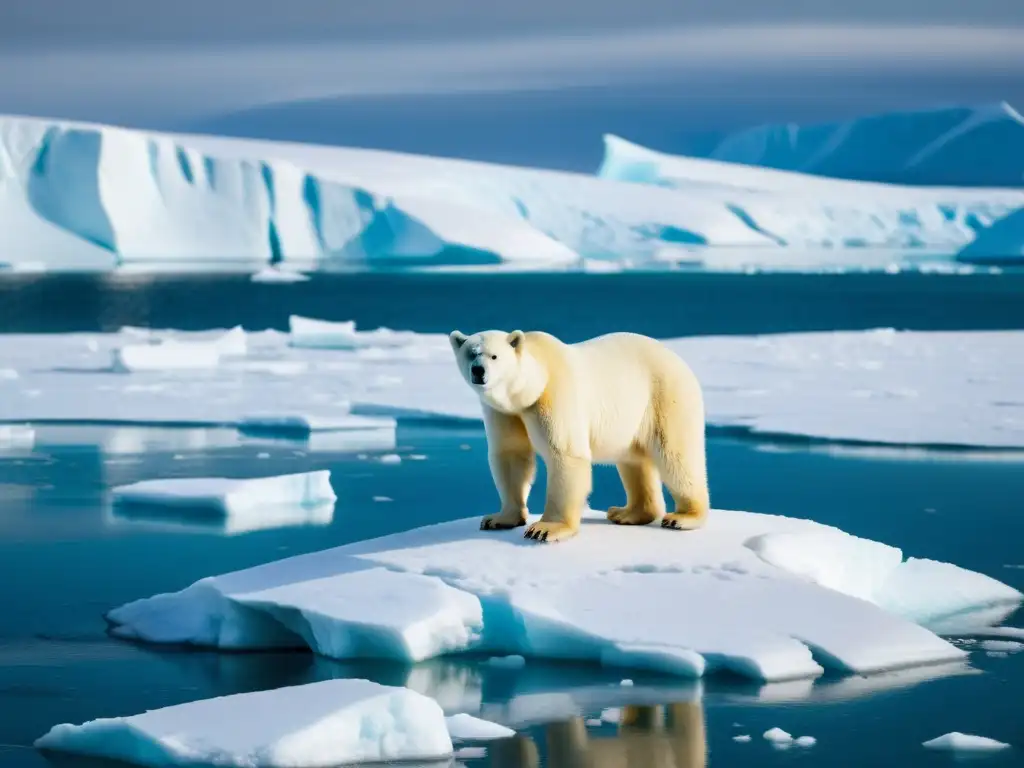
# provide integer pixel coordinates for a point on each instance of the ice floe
(881, 387)
(334, 722)
(230, 496)
(599, 597)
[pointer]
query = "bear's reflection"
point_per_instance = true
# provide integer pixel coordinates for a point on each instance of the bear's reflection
(664, 736)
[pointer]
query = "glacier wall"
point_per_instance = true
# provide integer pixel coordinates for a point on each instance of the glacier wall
(95, 196)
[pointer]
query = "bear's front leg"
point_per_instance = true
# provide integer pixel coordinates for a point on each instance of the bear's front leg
(569, 481)
(513, 472)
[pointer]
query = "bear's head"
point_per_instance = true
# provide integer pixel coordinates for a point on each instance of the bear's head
(492, 363)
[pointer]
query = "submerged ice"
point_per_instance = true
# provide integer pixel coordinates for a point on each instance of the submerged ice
(770, 598)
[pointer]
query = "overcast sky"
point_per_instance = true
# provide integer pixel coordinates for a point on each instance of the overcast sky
(178, 62)
(63, 22)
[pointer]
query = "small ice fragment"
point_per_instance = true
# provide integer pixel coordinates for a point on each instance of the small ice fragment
(1008, 646)
(777, 736)
(470, 753)
(382, 498)
(277, 275)
(742, 738)
(626, 682)
(806, 741)
(965, 742)
(263, 455)
(416, 457)
(390, 458)
(468, 728)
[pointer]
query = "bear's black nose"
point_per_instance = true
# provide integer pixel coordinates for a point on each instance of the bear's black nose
(477, 372)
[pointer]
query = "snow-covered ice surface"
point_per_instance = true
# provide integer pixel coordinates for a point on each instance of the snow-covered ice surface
(883, 386)
(98, 196)
(334, 722)
(976, 146)
(231, 496)
(965, 742)
(770, 598)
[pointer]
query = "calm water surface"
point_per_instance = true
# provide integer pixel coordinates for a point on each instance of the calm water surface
(65, 559)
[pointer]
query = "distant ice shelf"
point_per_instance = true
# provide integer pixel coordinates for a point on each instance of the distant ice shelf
(968, 146)
(771, 598)
(79, 195)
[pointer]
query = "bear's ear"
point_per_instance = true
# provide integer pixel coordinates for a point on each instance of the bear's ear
(516, 339)
(457, 339)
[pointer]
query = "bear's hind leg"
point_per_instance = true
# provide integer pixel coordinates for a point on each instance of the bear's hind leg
(680, 457)
(644, 502)
(569, 482)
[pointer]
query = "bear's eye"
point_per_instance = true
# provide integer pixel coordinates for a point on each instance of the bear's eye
(494, 357)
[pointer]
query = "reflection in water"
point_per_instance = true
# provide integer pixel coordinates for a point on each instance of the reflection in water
(660, 736)
(199, 520)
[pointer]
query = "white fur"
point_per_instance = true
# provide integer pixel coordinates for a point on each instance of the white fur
(621, 399)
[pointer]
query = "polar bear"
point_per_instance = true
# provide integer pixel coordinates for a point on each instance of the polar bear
(622, 399)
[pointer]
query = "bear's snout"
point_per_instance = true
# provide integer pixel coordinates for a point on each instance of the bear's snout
(477, 373)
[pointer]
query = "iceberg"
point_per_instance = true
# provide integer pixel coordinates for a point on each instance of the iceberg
(102, 196)
(770, 598)
(968, 146)
(334, 722)
(229, 496)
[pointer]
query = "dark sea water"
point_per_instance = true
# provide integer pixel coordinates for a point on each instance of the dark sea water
(65, 560)
(574, 306)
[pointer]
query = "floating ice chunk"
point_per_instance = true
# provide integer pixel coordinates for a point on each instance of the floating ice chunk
(168, 355)
(964, 742)
(231, 496)
(17, 437)
(277, 275)
(777, 736)
(806, 741)
(334, 722)
(178, 519)
(468, 728)
(470, 753)
(626, 683)
(1006, 646)
(325, 334)
(742, 738)
(310, 422)
(390, 458)
(600, 597)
